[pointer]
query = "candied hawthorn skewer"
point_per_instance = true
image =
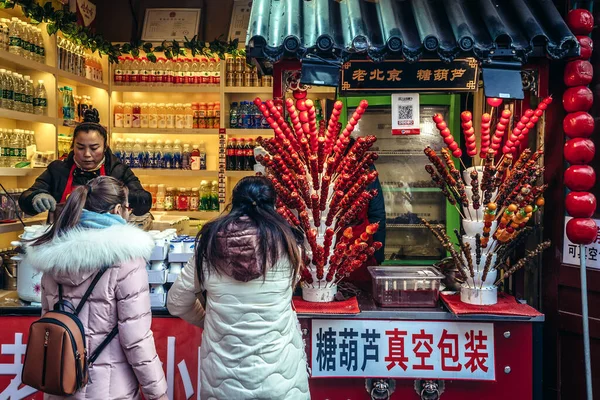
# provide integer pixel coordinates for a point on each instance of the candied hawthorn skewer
(469, 133)
(485, 134)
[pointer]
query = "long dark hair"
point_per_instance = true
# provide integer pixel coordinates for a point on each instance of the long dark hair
(253, 197)
(99, 195)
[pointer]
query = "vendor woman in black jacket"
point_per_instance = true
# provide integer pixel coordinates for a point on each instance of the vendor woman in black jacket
(90, 157)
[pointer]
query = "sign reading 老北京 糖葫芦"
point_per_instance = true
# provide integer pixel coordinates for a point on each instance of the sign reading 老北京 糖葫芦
(422, 76)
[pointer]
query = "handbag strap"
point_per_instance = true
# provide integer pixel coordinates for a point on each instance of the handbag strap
(102, 345)
(87, 293)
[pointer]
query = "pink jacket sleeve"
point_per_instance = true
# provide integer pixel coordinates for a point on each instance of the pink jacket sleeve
(135, 319)
(183, 299)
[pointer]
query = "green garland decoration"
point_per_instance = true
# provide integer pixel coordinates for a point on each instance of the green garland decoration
(66, 22)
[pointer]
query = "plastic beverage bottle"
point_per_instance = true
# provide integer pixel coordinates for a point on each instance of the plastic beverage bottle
(135, 116)
(231, 156)
(17, 90)
(195, 69)
(179, 116)
(202, 150)
(152, 116)
(134, 79)
(160, 197)
(214, 196)
(162, 116)
(29, 94)
(144, 72)
(15, 36)
(233, 116)
(159, 71)
(204, 196)
(210, 66)
(158, 155)
(170, 199)
(248, 156)
(149, 154)
(7, 90)
(118, 149)
(185, 157)
(177, 155)
(119, 115)
(257, 117)
(170, 114)
(189, 116)
(128, 153)
(240, 155)
(118, 77)
(127, 70)
(167, 160)
(195, 158)
(127, 115)
(178, 72)
(187, 71)
(204, 73)
(144, 116)
(137, 155)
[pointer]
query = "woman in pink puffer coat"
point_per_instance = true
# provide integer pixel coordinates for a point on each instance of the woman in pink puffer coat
(92, 232)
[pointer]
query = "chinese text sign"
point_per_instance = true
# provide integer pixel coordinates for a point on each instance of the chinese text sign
(571, 252)
(402, 349)
(398, 75)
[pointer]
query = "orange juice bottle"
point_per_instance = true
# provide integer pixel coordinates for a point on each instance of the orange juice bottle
(127, 115)
(189, 116)
(162, 116)
(152, 116)
(118, 115)
(144, 116)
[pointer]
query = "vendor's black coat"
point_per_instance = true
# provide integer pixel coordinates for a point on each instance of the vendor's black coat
(54, 180)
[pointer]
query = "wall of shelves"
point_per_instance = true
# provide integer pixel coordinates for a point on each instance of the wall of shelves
(105, 95)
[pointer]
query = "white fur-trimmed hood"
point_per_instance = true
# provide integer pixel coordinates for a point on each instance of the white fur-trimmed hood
(87, 250)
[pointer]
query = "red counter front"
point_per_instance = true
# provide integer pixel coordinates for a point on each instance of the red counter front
(178, 345)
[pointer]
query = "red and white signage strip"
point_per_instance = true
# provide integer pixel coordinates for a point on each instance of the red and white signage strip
(402, 349)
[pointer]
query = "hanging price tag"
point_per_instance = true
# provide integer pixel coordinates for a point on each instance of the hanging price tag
(405, 114)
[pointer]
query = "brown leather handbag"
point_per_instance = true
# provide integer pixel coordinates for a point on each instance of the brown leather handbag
(56, 359)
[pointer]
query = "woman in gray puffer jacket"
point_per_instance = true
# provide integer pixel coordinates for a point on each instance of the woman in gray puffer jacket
(248, 262)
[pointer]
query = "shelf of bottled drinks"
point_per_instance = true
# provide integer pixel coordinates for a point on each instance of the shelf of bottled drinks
(162, 117)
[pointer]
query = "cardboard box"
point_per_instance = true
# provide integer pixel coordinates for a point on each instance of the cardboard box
(180, 257)
(157, 277)
(158, 300)
(159, 253)
(172, 277)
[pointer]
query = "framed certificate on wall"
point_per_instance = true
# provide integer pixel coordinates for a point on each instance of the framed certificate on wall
(170, 23)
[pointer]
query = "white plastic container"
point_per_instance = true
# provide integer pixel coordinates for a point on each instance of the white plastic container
(319, 295)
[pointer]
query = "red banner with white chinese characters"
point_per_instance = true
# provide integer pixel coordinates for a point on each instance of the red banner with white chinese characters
(177, 344)
(403, 349)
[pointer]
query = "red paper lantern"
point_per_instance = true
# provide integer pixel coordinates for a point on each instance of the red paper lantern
(579, 98)
(580, 21)
(578, 72)
(580, 177)
(582, 230)
(579, 151)
(494, 101)
(578, 124)
(586, 44)
(580, 204)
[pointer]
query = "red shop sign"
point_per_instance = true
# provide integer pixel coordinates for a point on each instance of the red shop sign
(177, 344)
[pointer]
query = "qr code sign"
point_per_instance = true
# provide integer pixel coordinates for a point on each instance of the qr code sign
(405, 114)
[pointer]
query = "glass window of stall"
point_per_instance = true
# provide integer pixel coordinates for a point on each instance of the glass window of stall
(409, 194)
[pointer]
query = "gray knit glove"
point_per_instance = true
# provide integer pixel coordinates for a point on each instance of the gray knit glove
(43, 202)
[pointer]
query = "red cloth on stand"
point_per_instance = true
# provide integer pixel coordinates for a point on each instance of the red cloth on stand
(507, 305)
(349, 306)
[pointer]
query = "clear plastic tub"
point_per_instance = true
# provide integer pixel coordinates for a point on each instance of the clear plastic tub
(402, 286)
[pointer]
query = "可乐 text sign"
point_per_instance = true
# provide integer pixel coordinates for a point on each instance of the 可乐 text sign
(402, 349)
